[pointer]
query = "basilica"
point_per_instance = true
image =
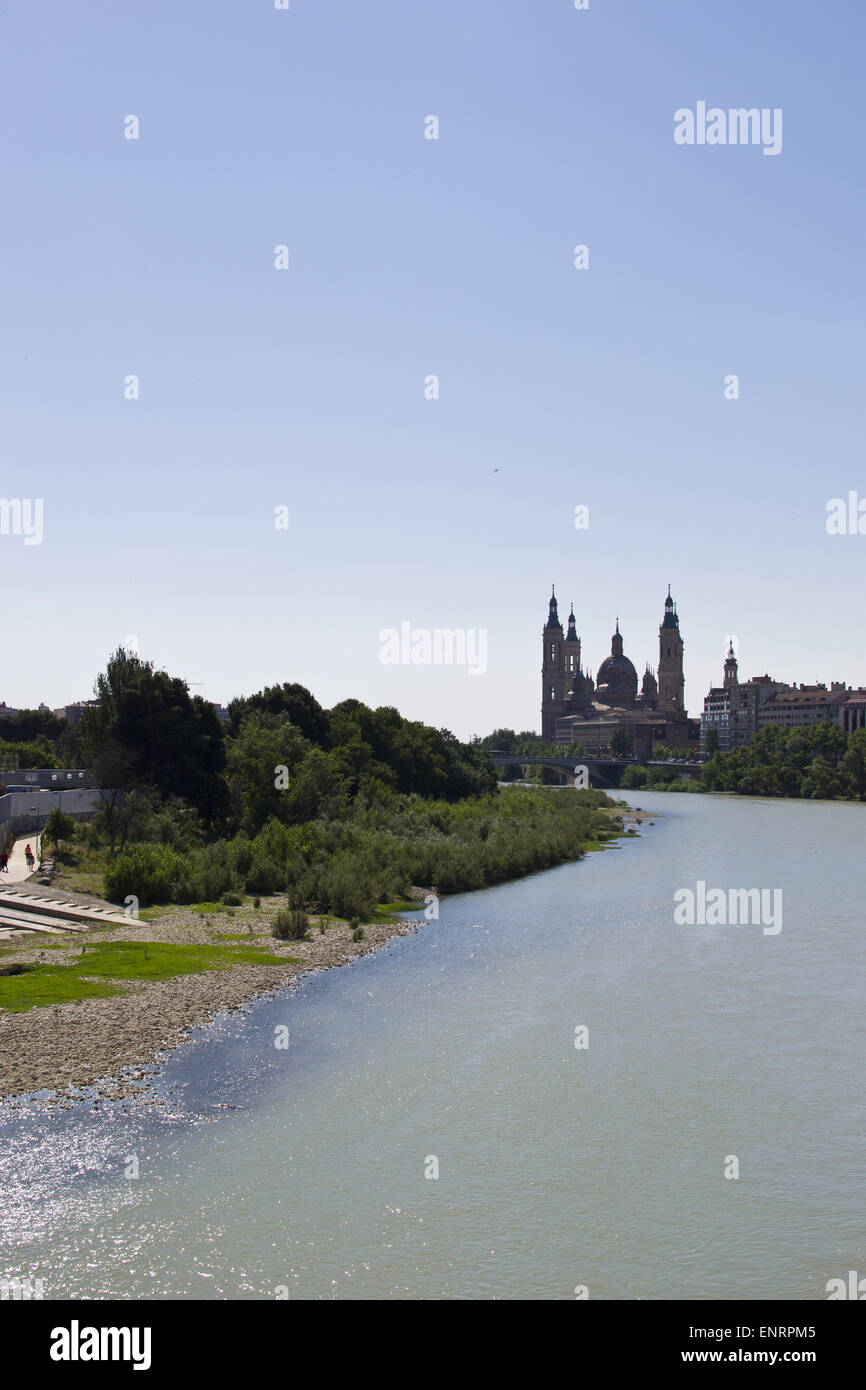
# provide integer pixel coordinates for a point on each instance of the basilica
(576, 709)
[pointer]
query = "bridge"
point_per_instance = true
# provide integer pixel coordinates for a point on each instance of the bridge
(604, 771)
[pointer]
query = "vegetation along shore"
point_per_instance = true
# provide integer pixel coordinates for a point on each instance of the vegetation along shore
(244, 856)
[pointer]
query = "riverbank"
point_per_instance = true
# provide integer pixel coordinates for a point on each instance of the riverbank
(112, 1044)
(107, 1041)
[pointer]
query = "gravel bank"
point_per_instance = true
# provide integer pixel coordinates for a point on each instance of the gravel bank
(112, 1044)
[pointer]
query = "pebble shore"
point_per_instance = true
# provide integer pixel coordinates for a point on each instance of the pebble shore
(113, 1044)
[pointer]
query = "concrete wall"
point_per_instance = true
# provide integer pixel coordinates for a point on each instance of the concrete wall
(16, 813)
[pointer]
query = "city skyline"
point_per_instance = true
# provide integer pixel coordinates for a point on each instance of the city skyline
(565, 381)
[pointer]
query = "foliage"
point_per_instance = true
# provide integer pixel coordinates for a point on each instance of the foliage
(151, 873)
(290, 924)
(527, 743)
(374, 853)
(154, 735)
(36, 753)
(621, 743)
(293, 702)
(59, 826)
(817, 761)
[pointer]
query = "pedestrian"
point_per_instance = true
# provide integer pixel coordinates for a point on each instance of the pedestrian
(4, 863)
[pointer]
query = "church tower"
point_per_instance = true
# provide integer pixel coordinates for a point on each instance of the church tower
(553, 678)
(731, 677)
(572, 650)
(670, 673)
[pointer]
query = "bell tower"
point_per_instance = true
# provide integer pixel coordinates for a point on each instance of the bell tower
(571, 651)
(553, 679)
(670, 672)
(730, 667)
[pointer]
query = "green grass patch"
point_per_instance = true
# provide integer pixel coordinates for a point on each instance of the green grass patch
(117, 961)
(386, 912)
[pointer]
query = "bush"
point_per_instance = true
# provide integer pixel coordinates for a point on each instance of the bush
(358, 934)
(152, 873)
(290, 924)
(232, 899)
(263, 876)
(59, 826)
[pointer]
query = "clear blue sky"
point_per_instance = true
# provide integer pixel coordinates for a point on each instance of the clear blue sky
(410, 256)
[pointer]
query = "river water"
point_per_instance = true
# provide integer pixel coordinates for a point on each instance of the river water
(300, 1172)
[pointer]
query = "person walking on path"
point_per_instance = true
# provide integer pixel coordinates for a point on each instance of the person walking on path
(4, 863)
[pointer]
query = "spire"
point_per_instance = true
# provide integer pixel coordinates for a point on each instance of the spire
(572, 630)
(670, 618)
(730, 665)
(553, 614)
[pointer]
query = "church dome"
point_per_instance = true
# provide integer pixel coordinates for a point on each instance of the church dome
(616, 682)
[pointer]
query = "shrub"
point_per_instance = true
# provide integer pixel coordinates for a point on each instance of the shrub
(358, 934)
(59, 826)
(263, 876)
(153, 873)
(290, 924)
(232, 899)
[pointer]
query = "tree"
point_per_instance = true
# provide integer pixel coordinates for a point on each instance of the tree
(166, 741)
(620, 743)
(293, 700)
(634, 777)
(854, 762)
(824, 781)
(59, 826)
(112, 767)
(264, 743)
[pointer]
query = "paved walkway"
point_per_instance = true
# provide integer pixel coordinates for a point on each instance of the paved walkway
(18, 870)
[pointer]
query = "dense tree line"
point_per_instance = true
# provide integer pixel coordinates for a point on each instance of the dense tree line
(527, 743)
(340, 809)
(282, 757)
(817, 761)
(37, 738)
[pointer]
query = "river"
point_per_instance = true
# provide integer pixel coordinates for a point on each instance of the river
(299, 1172)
